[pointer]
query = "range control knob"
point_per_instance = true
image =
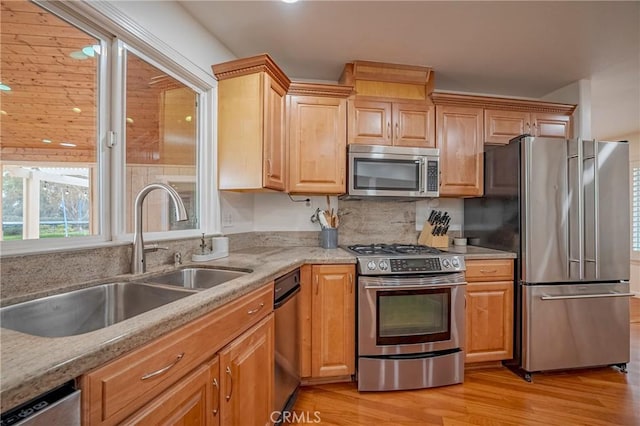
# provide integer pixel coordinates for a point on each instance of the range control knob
(446, 263)
(455, 262)
(371, 265)
(383, 265)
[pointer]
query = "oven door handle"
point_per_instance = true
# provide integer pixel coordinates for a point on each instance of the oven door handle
(408, 286)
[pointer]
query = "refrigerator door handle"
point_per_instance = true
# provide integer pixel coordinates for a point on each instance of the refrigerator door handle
(575, 229)
(586, 296)
(589, 204)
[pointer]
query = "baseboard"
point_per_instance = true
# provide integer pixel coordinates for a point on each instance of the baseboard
(482, 365)
(325, 380)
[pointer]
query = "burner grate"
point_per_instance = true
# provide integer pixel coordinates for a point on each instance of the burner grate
(392, 249)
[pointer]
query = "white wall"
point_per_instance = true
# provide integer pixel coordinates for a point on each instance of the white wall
(169, 22)
(634, 161)
(578, 93)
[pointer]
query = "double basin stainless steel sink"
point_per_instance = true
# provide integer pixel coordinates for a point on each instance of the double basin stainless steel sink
(89, 309)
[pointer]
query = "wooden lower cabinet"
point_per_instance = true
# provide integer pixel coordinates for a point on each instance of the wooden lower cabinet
(328, 321)
(489, 310)
(216, 370)
(189, 402)
(246, 377)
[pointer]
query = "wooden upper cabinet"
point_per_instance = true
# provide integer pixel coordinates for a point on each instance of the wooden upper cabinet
(551, 125)
(317, 128)
(501, 126)
(391, 106)
(274, 169)
(251, 119)
(370, 122)
(391, 123)
(414, 125)
(460, 140)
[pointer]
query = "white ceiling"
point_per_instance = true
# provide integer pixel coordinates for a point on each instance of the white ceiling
(513, 48)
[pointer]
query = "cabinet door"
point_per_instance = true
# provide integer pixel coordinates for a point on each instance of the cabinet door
(246, 377)
(333, 321)
(460, 140)
(370, 122)
(317, 144)
(274, 146)
(551, 125)
(414, 125)
(188, 402)
(489, 321)
(502, 126)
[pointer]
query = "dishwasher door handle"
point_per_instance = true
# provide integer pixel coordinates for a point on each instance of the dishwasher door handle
(286, 297)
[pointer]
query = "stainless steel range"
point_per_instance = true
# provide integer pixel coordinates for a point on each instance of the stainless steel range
(410, 317)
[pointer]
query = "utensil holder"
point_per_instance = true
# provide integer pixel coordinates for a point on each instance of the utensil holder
(425, 238)
(329, 238)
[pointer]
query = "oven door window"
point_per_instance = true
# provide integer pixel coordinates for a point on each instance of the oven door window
(413, 316)
(386, 174)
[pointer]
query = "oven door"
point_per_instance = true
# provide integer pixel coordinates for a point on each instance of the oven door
(410, 315)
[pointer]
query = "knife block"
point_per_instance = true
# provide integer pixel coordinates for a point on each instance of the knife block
(426, 239)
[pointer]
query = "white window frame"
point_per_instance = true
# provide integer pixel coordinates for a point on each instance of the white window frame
(103, 20)
(635, 221)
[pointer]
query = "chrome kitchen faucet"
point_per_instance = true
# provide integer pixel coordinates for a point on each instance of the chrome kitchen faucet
(138, 264)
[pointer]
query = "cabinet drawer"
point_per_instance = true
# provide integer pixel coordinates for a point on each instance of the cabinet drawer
(114, 391)
(489, 270)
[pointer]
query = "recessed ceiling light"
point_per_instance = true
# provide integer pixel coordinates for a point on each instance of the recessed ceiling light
(78, 54)
(46, 140)
(5, 88)
(188, 119)
(76, 109)
(69, 144)
(129, 120)
(290, 1)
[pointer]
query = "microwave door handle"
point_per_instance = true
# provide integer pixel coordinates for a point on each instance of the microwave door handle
(421, 175)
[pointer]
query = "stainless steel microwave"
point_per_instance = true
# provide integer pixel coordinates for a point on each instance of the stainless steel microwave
(379, 170)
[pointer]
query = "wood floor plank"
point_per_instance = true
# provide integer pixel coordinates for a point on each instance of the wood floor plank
(598, 396)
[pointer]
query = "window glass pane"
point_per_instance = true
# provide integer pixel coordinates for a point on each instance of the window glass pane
(161, 140)
(48, 121)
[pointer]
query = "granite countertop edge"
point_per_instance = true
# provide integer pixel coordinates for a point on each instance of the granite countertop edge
(32, 365)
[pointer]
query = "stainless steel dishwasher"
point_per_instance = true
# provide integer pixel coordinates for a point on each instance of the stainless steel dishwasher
(61, 406)
(287, 346)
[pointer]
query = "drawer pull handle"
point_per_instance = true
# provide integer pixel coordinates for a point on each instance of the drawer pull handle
(492, 271)
(228, 371)
(253, 311)
(216, 396)
(163, 369)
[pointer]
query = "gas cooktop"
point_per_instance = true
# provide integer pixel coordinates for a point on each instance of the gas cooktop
(389, 259)
(392, 249)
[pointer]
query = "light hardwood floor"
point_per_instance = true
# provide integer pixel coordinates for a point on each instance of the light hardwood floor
(634, 311)
(601, 396)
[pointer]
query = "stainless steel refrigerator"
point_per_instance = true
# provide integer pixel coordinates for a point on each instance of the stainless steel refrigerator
(563, 206)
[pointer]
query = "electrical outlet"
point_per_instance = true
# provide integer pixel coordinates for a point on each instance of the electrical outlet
(227, 220)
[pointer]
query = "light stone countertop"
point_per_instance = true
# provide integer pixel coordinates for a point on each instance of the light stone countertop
(32, 365)
(475, 252)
